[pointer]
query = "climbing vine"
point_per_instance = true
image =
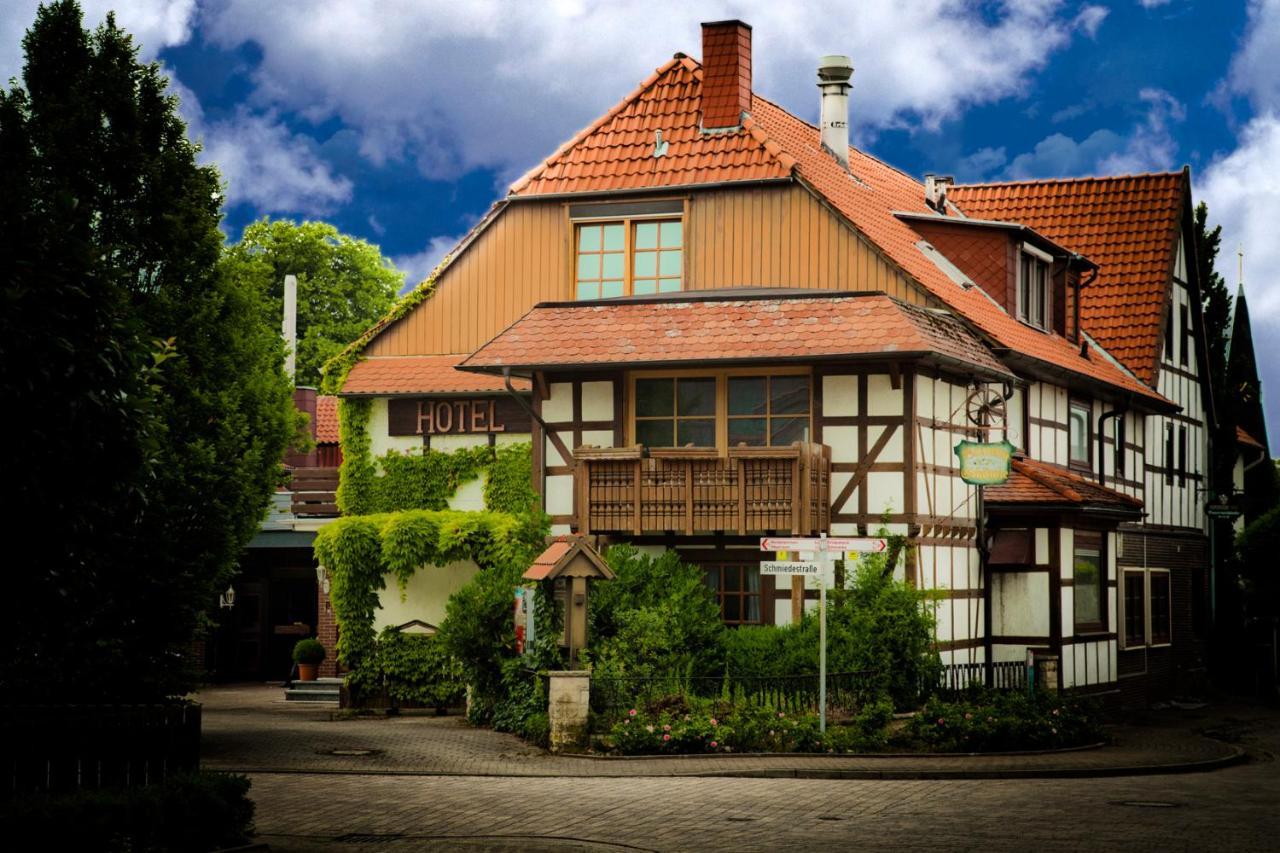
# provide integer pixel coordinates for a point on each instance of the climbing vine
(357, 473)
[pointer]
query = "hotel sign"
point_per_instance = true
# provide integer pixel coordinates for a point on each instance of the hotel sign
(455, 416)
(984, 463)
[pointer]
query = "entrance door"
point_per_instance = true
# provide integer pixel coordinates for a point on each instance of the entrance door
(249, 616)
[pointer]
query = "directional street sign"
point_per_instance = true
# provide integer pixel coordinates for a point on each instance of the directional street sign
(832, 545)
(782, 567)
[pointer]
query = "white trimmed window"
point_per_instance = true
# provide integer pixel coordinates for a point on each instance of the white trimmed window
(1035, 303)
(628, 257)
(1147, 608)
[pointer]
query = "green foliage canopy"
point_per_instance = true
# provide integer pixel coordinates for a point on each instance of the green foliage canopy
(344, 284)
(152, 405)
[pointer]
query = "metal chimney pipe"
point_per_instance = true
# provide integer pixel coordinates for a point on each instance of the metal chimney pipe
(834, 73)
(289, 328)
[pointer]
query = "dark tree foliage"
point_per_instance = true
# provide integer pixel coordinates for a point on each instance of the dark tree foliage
(147, 408)
(1217, 319)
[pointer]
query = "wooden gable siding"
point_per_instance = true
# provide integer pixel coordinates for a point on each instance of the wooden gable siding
(517, 261)
(783, 236)
(986, 255)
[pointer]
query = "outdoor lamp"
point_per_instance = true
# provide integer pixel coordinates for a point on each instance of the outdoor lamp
(322, 578)
(228, 598)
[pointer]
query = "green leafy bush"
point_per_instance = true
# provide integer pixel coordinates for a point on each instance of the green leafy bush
(656, 617)
(418, 668)
(424, 479)
(308, 650)
(509, 484)
(190, 812)
(1000, 722)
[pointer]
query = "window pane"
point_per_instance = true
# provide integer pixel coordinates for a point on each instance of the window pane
(669, 285)
(751, 606)
(655, 433)
(610, 289)
(732, 578)
(746, 395)
(1159, 607)
(732, 608)
(1088, 587)
(589, 290)
(698, 432)
(697, 397)
(1024, 288)
(789, 394)
(588, 267)
(785, 431)
(644, 287)
(670, 263)
(751, 575)
(646, 264)
(646, 235)
(611, 266)
(1078, 421)
(712, 576)
(748, 431)
(613, 238)
(589, 238)
(672, 234)
(1135, 617)
(654, 397)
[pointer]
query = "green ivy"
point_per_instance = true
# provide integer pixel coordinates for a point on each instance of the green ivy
(425, 479)
(357, 474)
(335, 370)
(418, 668)
(359, 551)
(509, 487)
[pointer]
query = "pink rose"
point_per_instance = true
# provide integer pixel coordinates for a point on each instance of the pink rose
(666, 737)
(713, 744)
(632, 712)
(941, 721)
(968, 716)
(781, 715)
(666, 728)
(713, 722)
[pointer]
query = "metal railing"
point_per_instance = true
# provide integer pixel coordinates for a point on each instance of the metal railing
(958, 677)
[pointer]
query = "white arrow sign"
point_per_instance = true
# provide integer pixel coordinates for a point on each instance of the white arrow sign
(834, 545)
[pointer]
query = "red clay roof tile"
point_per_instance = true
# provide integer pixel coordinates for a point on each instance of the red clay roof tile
(326, 419)
(1034, 482)
(420, 374)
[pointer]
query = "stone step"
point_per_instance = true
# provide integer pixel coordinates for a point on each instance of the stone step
(320, 690)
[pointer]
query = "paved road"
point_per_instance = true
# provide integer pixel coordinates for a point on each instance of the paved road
(1237, 808)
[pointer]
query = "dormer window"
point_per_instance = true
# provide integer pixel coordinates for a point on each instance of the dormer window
(1034, 279)
(627, 249)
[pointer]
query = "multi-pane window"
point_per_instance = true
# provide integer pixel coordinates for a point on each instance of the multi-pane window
(1147, 608)
(1078, 432)
(1089, 581)
(768, 410)
(674, 412)
(629, 257)
(738, 589)
(1135, 609)
(1033, 290)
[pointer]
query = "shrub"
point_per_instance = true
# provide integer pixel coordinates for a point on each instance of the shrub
(988, 721)
(188, 812)
(309, 651)
(418, 668)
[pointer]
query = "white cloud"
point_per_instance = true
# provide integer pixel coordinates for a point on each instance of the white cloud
(418, 265)
(262, 162)
(1153, 4)
(455, 86)
(1255, 68)
(1090, 18)
(154, 25)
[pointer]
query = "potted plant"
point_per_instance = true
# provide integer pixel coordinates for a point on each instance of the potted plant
(307, 654)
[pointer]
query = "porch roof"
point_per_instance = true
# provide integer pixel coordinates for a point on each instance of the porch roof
(1036, 484)
(728, 327)
(418, 374)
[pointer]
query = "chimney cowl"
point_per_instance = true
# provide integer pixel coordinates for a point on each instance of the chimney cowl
(834, 73)
(935, 191)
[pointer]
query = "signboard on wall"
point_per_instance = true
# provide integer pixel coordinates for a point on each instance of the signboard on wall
(455, 416)
(984, 463)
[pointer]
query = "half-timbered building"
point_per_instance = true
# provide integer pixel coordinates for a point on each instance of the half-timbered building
(716, 321)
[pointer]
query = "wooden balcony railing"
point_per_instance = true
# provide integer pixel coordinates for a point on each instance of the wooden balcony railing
(314, 491)
(696, 490)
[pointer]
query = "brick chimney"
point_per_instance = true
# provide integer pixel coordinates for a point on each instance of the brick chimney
(726, 74)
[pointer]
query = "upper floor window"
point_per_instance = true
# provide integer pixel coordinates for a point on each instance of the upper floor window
(1184, 357)
(768, 410)
(629, 257)
(1079, 445)
(1034, 279)
(676, 412)
(722, 410)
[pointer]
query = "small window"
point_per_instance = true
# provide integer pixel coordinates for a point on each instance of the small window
(1033, 289)
(1185, 358)
(1169, 461)
(1182, 455)
(768, 410)
(737, 587)
(1168, 334)
(629, 257)
(1078, 423)
(1120, 454)
(1135, 609)
(1161, 610)
(676, 412)
(1088, 581)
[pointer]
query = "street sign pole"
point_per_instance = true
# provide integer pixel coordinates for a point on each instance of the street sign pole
(822, 638)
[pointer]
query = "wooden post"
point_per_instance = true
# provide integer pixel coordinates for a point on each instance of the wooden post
(636, 480)
(742, 496)
(688, 497)
(797, 598)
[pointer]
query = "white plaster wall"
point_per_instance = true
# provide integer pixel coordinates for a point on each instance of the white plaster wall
(839, 396)
(882, 397)
(1020, 603)
(597, 401)
(558, 406)
(425, 595)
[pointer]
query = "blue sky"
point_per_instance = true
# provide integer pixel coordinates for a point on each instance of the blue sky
(401, 121)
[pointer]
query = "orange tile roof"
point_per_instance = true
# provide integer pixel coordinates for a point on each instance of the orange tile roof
(547, 560)
(1126, 225)
(1247, 440)
(420, 374)
(1035, 482)
(731, 326)
(326, 419)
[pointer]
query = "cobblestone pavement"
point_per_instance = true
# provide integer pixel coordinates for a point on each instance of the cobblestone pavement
(313, 808)
(251, 728)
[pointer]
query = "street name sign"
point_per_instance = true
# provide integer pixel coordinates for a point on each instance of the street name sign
(783, 567)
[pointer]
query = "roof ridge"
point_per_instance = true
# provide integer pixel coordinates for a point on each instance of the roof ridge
(1034, 472)
(1072, 180)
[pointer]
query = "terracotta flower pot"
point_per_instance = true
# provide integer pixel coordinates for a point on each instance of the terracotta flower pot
(307, 671)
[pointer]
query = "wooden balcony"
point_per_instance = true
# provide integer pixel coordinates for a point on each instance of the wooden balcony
(314, 491)
(752, 490)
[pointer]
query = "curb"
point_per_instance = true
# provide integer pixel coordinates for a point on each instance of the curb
(945, 756)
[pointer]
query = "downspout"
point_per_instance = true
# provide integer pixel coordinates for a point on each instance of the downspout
(519, 398)
(1081, 285)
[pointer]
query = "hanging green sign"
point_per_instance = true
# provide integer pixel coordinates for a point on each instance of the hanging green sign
(984, 463)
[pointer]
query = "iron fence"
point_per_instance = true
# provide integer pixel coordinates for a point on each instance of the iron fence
(958, 677)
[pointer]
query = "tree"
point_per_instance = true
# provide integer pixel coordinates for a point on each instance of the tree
(345, 285)
(148, 407)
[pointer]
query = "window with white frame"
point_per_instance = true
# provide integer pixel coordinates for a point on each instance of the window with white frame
(1079, 434)
(1034, 280)
(1148, 608)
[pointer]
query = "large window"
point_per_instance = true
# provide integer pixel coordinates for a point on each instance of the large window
(1034, 278)
(737, 587)
(1148, 613)
(1079, 433)
(722, 409)
(629, 257)
(1089, 582)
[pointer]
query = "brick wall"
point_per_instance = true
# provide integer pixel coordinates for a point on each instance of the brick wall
(326, 633)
